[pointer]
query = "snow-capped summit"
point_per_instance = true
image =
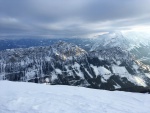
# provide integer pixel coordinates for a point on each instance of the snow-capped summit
(125, 40)
(110, 40)
(137, 43)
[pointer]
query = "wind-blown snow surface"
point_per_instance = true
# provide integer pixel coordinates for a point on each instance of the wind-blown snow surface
(20, 97)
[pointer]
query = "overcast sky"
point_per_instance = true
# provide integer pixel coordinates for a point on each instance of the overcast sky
(71, 18)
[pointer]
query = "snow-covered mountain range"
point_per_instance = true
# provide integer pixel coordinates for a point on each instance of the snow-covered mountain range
(137, 43)
(68, 64)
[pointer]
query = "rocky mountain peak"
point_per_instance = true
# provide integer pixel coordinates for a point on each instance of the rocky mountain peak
(67, 50)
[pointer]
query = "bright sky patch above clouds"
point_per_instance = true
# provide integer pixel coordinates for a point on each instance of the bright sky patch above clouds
(72, 18)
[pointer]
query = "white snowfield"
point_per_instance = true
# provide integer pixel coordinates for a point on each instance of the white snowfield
(17, 97)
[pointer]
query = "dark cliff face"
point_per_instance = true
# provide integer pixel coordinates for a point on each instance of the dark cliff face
(67, 64)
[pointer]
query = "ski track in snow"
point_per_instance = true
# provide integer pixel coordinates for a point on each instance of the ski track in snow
(19, 97)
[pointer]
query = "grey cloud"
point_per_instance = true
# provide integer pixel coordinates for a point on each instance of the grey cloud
(70, 18)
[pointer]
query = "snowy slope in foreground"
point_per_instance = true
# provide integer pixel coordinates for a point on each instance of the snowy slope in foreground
(18, 97)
